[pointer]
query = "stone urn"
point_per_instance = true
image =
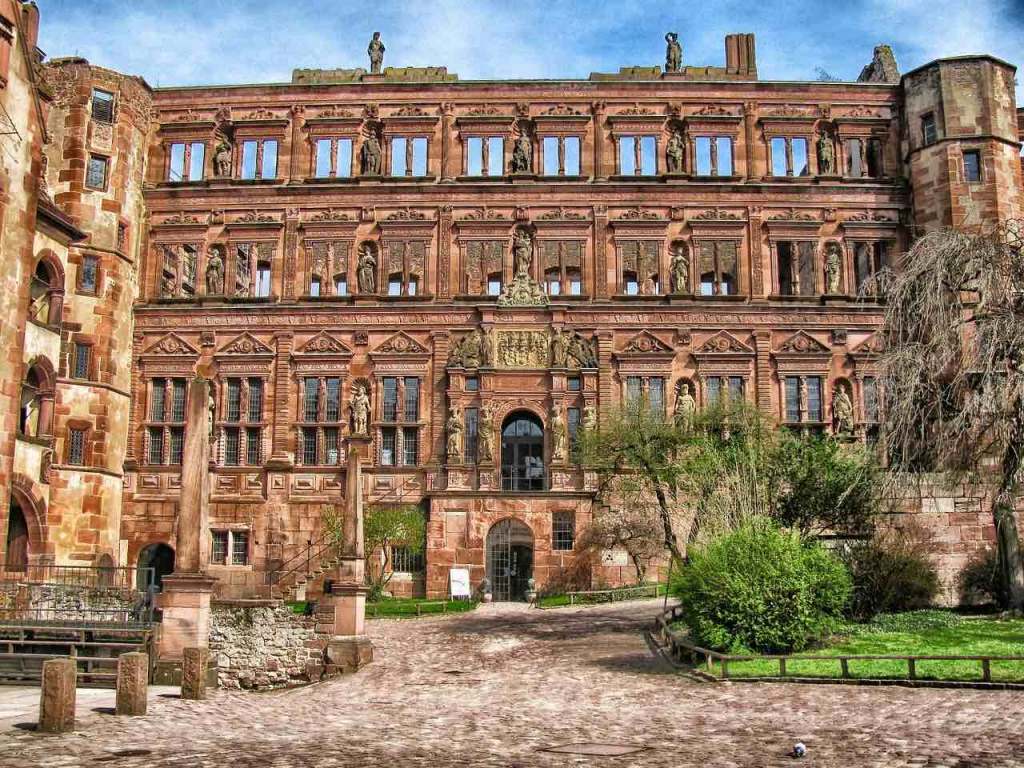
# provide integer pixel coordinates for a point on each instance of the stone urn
(531, 590)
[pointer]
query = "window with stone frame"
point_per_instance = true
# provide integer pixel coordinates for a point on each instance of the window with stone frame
(404, 267)
(561, 264)
(649, 390)
(405, 560)
(560, 155)
(485, 156)
(718, 267)
(868, 259)
(122, 237)
(253, 268)
(713, 156)
(242, 421)
(733, 388)
(333, 158)
(186, 161)
(572, 422)
(864, 157)
(328, 262)
(638, 155)
(483, 271)
(399, 416)
(870, 410)
(789, 156)
(229, 547)
(102, 106)
(96, 172)
(803, 402)
(639, 267)
(972, 166)
(178, 268)
(470, 422)
(929, 132)
(796, 267)
(320, 421)
(563, 531)
(259, 159)
(81, 361)
(409, 156)
(75, 451)
(89, 274)
(165, 425)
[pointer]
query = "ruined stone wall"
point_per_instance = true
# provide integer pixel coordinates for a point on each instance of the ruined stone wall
(264, 646)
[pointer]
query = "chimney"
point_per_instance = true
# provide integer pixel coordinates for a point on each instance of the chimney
(30, 20)
(740, 56)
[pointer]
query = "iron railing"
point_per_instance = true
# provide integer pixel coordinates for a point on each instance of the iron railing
(519, 478)
(303, 563)
(77, 594)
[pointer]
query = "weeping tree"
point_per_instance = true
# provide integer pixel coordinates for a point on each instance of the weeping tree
(952, 373)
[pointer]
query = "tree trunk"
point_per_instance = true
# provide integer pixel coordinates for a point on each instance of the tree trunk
(666, 522)
(1008, 543)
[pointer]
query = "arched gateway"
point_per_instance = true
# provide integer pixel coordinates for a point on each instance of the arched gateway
(509, 559)
(522, 452)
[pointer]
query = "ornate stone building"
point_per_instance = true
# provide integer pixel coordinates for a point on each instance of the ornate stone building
(455, 277)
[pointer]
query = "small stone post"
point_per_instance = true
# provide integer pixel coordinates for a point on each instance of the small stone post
(132, 683)
(193, 673)
(57, 696)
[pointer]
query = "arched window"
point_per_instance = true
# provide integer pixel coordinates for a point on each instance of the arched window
(16, 557)
(47, 291)
(522, 453)
(35, 415)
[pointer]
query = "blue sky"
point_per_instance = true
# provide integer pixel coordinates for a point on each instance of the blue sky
(192, 42)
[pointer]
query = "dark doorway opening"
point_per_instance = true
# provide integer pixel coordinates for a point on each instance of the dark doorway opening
(159, 557)
(16, 558)
(509, 559)
(522, 453)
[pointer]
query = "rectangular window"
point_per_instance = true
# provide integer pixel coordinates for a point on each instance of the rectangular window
(634, 390)
(627, 156)
(176, 170)
(550, 154)
(343, 159)
(561, 155)
(195, 166)
(736, 388)
(156, 445)
(485, 156)
(332, 411)
(178, 400)
(656, 394)
(572, 421)
(494, 286)
(779, 164)
(219, 547)
(870, 386)
(419, 157)
(88, 279)
(723, 156)
(122, 237)
(387, 447)
(713, 155)
(410, 446)
(404, 560)
(231, 445)
(398, 157)
(496, 156)
(333, 158)
(156, 405)
(571, 155)
(332, 445)
(796, 268)
(799, 165)
(249, 149)
(929, 134)
(341, 286)
(234, 403)
(177, 444)
(814, 409)
(253, 447)
(102, 106)
(269, 169)
(412, 399)
(638, 156)
(239, 547)
(82, 354)
(563, 530)
(573, 384)
(972, 165)
(255, 400)
(311, 400)
(96, 173)
(793, 398)
(76, 446)
(323, 158)
(390, 392)
(471, 420)
(869, 258)
(309, 457)
(718, 267)
(714, 390)
(472, 384)
(854, 160)
(186, 161)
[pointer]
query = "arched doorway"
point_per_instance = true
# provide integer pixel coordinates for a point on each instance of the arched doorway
(16, 558)
(509, 559)
(159, 557)
(522, 453)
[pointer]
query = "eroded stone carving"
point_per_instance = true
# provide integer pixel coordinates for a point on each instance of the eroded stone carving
(882, 69)
(833, 268)
(222, 159)
(471, 351)
(366, 268)
(215, 271)
(559, 434)
(454, 430)
(842, 410)
(485, 435)
(523, 291)
(673, 53)
(826, 155)
(686, 405)
(522, 154)
(360, 407)
(589, 420)
(375, 50)
(674, 153)
(523, 349)
(370, 155)
(680, 268)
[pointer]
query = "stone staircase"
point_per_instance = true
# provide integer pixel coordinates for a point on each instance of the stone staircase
(298, 578)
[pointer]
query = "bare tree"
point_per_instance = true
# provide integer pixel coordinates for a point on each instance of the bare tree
(952, 382)
(633, 525)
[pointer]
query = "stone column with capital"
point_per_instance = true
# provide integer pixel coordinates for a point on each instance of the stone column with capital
(187, 591)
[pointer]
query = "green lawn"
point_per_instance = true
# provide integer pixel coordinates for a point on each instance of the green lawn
(602, 596)
(397, 607)
(921, 633)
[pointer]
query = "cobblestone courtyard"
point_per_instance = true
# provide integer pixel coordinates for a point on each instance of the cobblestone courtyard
(497, 687)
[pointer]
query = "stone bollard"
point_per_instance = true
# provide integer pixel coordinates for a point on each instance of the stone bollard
(57, 696)
(132, 682)
(193, 673)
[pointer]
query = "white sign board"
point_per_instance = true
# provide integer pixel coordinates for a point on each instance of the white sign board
(614, 557)
(459, 578)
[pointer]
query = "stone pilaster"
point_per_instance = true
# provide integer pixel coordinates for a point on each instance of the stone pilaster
(279, 455)
(290, 256)
(439, 372)
(601, 251)
(763, 369)
(605, 375)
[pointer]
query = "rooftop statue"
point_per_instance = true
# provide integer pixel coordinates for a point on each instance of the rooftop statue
(376, 52)
(673, 53)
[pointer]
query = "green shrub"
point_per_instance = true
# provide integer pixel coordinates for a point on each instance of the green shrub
(762, 588)
(891, 574)
(981, 581)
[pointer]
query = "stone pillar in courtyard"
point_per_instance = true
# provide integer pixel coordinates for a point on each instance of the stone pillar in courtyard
(349, 647)
(186, 597)
(57, 696)
(132, 683)
(193, 673)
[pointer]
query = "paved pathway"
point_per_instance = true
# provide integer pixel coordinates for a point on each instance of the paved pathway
(499, 686)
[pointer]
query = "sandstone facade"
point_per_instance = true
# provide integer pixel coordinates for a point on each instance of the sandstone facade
(489, 262)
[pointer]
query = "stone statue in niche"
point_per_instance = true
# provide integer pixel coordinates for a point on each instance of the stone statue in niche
(686, 406)
(370, 155)
(833, 268)
(485, 435)
(469, 352)
(222, 159)
(522, 251)
(673, 53)
(376, 53)
(522, 154)
(167, 287)
(360, 410)
(680, 269)
(366, 269)
(581, 353)
(589, 418)
(842, 411)
(488, 347)
(215, 271)
(826, 155)
(211, 411)
(454, 429)
(559, 435)
(560, 348)
(674, 153)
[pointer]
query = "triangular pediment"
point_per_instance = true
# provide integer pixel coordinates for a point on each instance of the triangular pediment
(872, 345)
(725, 342)
(400, 344)
(325, 344)
(171, 344)
(246, 344)
(802, 342)
(646, 342)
